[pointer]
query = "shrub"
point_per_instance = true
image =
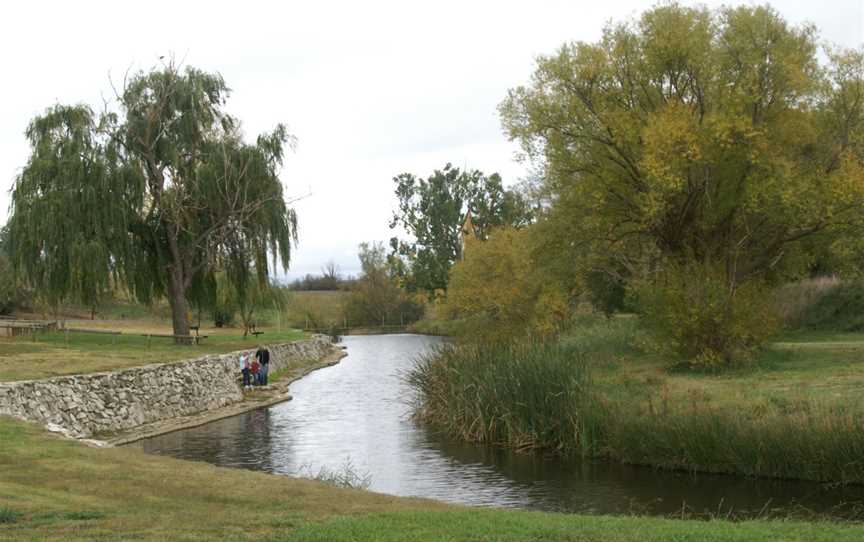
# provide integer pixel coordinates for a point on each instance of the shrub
(795, 301)
(376, 298)
(839, 308)
(499, 292)
(706, 318)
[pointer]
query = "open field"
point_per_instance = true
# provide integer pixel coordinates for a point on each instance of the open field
(54, 489)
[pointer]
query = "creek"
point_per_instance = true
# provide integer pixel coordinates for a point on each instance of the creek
(359, 412)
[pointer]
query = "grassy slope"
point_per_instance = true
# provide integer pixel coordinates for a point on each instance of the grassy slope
(52, 489)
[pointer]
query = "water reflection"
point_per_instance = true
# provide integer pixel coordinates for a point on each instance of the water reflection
(359, 409)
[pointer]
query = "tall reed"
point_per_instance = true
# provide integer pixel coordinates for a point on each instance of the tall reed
(523, 396)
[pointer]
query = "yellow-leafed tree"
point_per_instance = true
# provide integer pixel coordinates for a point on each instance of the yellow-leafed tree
(501, 292)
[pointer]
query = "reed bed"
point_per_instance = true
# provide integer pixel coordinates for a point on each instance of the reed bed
(523, 396)
(546, 397)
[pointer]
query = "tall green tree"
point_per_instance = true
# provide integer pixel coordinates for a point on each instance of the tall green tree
(432, 211)
(70, 217)
(163, 192)
(708, 140)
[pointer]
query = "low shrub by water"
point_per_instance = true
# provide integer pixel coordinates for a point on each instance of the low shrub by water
(524, 396)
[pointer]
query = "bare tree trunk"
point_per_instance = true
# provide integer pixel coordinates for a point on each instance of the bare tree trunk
(179, 306)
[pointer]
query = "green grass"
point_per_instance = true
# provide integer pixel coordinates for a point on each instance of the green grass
(56, 489)
(50, 355)
(796, 413)
(520, 526)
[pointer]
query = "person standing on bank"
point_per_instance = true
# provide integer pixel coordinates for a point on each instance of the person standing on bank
(263, 357)
(244, 368)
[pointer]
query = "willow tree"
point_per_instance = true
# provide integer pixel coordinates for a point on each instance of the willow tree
(70, 215)
(163, 191)
(693, 145)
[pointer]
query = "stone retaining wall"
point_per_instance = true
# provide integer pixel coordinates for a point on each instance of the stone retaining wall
(84, 405)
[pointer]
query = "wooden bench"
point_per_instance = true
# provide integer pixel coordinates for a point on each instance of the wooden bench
(15, 328)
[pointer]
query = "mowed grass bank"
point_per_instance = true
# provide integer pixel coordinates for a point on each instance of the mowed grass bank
(601, 392)
(24, 358)
(53, 489)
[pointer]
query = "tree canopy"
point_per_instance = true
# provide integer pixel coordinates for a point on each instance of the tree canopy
(158, 194)
(500, 293)
(432, 211)
(694, 139)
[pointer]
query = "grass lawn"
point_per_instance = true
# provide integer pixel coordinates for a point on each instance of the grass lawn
(804, 366)
(54, 489)
(49, 355)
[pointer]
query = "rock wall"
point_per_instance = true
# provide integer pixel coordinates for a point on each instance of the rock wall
(84, 405)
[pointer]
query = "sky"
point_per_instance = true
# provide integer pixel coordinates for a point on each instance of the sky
(370, 89)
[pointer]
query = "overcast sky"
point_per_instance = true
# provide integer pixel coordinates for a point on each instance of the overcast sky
(370, 89)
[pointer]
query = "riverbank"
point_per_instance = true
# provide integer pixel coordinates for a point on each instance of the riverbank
(57, 489)
(258, 397)
(796, 413)
(128, 404)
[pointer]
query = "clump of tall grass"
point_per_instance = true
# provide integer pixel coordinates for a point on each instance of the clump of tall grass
(526, 396)
(346, 476)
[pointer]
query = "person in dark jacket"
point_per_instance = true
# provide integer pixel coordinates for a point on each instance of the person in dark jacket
(263, 357)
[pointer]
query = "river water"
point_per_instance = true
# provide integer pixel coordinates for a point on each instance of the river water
(359, 412)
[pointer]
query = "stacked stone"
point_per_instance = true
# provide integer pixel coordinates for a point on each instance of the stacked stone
(84, 405)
